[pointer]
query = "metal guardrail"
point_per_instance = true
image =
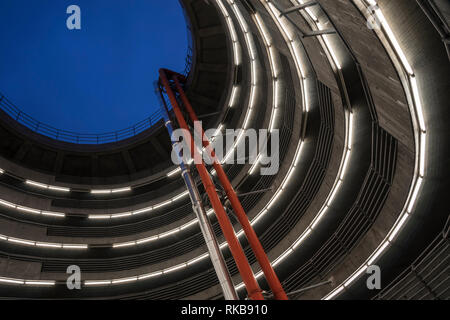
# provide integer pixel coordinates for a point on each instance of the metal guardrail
(67, 136)
(188, 62)
(190, 40)
(427, 278)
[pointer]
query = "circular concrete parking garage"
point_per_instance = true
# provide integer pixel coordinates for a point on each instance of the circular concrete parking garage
(354, 96)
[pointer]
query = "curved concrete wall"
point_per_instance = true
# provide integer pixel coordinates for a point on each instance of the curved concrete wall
(363, 153)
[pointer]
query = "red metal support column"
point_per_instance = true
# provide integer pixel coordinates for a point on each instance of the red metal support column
(252, 286)
(271, 277)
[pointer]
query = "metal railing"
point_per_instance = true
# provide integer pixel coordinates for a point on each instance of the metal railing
(190, 40)
(427, 278)
(79, 138)
(188, 61)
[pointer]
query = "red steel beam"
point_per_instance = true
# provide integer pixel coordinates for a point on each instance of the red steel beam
(271, 277)
(252, 286)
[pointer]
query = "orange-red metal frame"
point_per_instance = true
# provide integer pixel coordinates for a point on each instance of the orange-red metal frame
(250, 233)
(252, 286)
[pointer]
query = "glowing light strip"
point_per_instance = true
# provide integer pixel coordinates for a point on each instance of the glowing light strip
(253, 81)
(319, 26)
(11, 281)
(326, 39)
(293, 45)
(420, 155)
(324, 209)
(40, 283)
(174, 172)
(92, 216)
(232, 32)
(275, 83)
(392, 38)
(253, 57)
(287, 31)
(139, 211)
(31, 210)
(338, 183)
(46, 186)
(124, 280)
(233, 96)
(327, 204)
(32, 243)
(109, 191)
(313, 16)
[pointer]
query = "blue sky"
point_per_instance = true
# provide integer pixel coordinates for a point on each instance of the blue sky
(94, 80)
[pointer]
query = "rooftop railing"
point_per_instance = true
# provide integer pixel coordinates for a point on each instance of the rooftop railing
(78, 138)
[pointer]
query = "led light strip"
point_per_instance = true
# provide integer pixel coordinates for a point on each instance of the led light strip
(309, 11)
(236, 50)
(40, 283)
(110, 191)
(31, 243)
(34, 211)
(86, 246)
(46, 186)
(232, 32)
(254, 76)
(148, 275)
(274, 67)
(293, 45)
(174, 172)
(420, 128)
(324, 39)
(343, 166)
(237, 61)
(159, 236)
(156, 237)
(139, 211)
(24, 209)
(62, 189)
